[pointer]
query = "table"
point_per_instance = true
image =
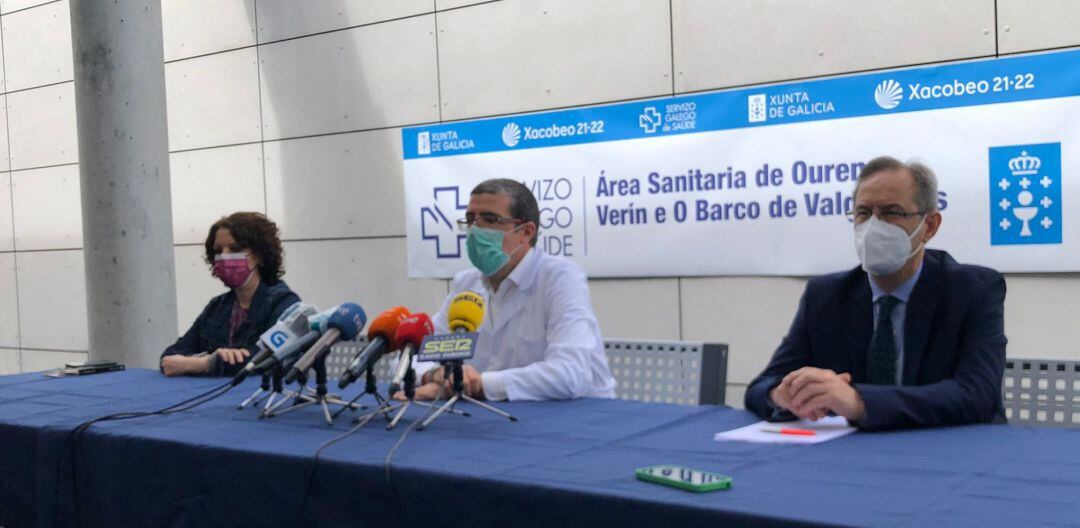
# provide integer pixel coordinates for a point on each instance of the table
(563, 464)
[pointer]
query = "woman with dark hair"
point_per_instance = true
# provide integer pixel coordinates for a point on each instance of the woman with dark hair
(244, 252)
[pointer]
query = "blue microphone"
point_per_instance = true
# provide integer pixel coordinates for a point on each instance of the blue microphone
(345, 323)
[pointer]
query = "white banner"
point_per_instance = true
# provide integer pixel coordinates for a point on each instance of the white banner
(756, 181)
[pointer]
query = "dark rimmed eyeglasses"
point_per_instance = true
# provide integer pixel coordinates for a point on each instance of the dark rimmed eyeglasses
(485, 220)
(892, 215)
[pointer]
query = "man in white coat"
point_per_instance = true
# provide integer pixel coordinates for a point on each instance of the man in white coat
(539, 339)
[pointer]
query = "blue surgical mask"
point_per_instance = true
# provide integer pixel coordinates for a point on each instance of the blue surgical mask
(485, 248)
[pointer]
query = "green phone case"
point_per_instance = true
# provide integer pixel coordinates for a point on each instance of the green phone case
(684, 478)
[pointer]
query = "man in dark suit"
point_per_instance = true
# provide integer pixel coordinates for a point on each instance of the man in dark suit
(909, 339)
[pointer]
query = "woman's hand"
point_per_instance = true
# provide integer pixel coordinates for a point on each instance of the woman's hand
(233, 356)
(180, 365)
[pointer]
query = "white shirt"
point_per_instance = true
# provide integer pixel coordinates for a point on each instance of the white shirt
(539, 339)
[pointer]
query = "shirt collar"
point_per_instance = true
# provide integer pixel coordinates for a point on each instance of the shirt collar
(903, 292)
(524, 274)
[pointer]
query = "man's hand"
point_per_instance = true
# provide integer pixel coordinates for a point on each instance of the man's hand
(472, 382)
(811, 393)
(780, 396)
(233, 356)
(435, 375)
(427, 391)
(179, 365)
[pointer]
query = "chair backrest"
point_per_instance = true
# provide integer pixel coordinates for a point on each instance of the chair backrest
(342, 353)
(1042, 392)
(682, 372)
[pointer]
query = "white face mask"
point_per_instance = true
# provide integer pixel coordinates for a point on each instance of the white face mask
(884, 248)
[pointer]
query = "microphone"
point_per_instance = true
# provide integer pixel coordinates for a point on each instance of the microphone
(288, 333)
(316, 324)
(381, 340)
(344, 323)
(318, 321)
(466, 312)
(286, 355)
(285, 322)
(410, 333)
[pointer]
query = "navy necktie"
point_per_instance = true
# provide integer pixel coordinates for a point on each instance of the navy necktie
(881, 362)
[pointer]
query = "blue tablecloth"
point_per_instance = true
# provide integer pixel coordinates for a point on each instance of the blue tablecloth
(563, 464)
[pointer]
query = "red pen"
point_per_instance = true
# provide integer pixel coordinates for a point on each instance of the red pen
(788, 431)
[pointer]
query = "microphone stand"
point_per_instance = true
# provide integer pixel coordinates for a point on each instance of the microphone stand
(276, 376)
(259, 394)
(454, 367)
(369, 388)
(409, 388)
(321, 396)
(410, 393)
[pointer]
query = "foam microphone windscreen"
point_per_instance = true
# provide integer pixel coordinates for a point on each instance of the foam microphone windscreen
(414, 329)
(386, 324)
(349, 318)
(466, 312)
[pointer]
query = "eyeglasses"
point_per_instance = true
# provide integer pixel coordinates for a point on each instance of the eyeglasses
(892, 215)
(485, 220)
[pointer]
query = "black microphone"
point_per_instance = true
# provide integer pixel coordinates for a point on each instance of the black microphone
(380, 341)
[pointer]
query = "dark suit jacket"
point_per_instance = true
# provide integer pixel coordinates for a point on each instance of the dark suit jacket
(210, 331)
(954, 346)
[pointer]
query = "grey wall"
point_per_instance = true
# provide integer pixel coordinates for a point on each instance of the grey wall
(294, 108)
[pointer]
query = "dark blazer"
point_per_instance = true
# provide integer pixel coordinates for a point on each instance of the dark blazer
(210, 331)
(954, 346)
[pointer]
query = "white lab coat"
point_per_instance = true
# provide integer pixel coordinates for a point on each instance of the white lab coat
(539, 339)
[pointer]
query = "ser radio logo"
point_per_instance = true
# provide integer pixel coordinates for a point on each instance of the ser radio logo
(448, 347)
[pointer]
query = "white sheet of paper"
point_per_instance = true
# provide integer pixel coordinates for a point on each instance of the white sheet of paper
(825, 429)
